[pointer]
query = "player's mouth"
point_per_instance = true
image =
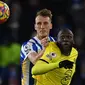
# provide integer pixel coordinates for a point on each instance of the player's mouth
(43, 31)
(66, 43)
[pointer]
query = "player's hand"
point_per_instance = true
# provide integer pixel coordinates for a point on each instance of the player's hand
(66, 64)
(44, 41)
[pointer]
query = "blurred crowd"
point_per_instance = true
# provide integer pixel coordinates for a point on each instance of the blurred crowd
(20, 28)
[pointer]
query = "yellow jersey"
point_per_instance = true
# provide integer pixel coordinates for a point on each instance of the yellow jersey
(58, 76)
(33, 45)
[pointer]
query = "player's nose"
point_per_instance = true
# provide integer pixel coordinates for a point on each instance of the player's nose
(42, 26)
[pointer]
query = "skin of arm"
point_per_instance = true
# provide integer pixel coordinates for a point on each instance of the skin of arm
(33, 57)
(42, 67)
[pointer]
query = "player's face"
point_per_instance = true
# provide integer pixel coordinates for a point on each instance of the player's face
(42, 26)
(65, 38)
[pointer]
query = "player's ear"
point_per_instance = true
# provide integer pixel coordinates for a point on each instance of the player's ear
(51, 26)
(35, 27)
(73, 42)
(74, 45)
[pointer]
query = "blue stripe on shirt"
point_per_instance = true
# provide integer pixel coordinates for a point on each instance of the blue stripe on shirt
(24, 43)
(37, 43)
(21, 60)
(22, 54)
(50, 38)
(34, 47)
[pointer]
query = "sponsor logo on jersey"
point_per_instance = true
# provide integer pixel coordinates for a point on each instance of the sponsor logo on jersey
(51, 55)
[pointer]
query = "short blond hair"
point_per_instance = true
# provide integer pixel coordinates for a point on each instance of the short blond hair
(45, 12)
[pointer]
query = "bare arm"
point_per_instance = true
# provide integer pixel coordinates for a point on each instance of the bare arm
(33, 57)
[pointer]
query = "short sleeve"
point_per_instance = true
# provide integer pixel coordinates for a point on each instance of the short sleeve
(26, 49)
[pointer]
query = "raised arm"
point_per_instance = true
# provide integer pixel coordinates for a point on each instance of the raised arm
(27, 51)
(43, 66)
(30, 51)
(34, 56)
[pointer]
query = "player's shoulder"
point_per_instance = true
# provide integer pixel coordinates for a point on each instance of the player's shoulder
(51, 38)
(26, 45)
(54, 44)
(29, 42)
(74, 50)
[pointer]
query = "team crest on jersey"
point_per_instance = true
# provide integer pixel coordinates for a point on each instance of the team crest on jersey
(27, 48)
(51, 55)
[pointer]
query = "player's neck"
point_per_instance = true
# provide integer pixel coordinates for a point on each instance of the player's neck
(64, 51)
(40, 37)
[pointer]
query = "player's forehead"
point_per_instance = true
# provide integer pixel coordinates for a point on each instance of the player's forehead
(40, 18)
(65, 32)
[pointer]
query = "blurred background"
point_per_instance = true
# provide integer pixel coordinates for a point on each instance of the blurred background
(20, 28)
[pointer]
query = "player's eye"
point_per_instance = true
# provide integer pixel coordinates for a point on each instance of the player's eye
(39, 23)
(45, 23)
(69, 37)
(62, 37)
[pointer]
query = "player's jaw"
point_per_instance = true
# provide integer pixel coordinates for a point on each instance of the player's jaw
(66, 44)
(65, 47)
(43, 34)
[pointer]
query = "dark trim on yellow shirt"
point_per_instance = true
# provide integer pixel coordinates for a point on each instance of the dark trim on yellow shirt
(44, 61)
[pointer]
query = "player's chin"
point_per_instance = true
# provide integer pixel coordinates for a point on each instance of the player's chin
(44, 35)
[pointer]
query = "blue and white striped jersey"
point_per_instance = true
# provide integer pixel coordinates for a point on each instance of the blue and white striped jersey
(33, 45)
